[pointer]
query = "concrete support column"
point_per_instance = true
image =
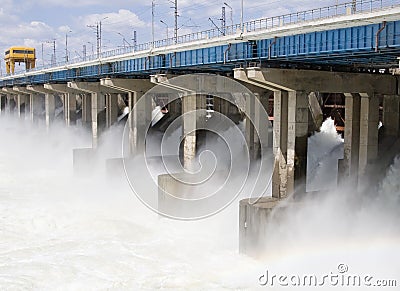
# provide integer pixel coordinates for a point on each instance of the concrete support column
(259, 131)
(139, 120)
(111, 109)
(70, 108)
(65, 107)
(69, 100)
(140, 116)
(189, 103)
(391, 115)
(298, 113)
(50, 107)
(279, 178)
(351, 136)
(49, 102)
(21, 102)
(6, 105)
(369, 120)
(10, 104)
(249, 126)
(28, 106)
(36, 106)
(133, 97)
(2, 104)
(86, 110)
(98, 104)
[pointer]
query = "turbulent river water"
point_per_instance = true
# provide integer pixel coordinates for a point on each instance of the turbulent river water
(59, 231)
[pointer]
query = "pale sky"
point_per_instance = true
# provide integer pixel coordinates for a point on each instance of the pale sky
(33, 22)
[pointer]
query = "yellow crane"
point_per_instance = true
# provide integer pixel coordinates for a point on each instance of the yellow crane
(19, 55)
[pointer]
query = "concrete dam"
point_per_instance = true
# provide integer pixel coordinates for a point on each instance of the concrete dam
(259, 155)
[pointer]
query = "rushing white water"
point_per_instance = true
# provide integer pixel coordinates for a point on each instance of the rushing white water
(63, 232)
(339, 226)
(59, 231)
(325, 148)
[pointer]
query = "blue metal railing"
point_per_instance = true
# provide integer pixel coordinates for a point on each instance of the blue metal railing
(356, 7)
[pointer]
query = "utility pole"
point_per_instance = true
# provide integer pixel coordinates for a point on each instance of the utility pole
(42, 55)
(98, 37)
(241, 19)
(152, 23)
(134, 39)
(84, 52)
(98, 28)
(54, 51)
(223, 21)
(53, 59)
(231, 14)
(176, 21)
(66, 46)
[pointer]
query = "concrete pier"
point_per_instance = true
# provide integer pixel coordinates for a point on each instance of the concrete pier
(253, 223)
(140, 116)
(189, 103)
(69, 99)
(279, 179)
(98, 103)
(351, 137)
(86, 110)
(2, 103)
(103, 103)
(111, 109)
(297, 114)
(369, 121)
(70, 108)
(36, 102)
(37, 107)
(294, 88)
(8, 93)
(49, 100)
(391, 115)
(21, 105)
(11, 104)
(9, 97)
(298, 125)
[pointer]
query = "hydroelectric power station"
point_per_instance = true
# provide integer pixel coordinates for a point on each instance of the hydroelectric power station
(279, 77)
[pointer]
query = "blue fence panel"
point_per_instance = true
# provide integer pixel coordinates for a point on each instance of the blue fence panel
(58, 76)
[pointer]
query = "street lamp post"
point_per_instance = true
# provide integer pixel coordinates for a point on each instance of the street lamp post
(166, 27)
